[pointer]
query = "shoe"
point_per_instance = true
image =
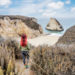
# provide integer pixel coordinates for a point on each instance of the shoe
(27, 66)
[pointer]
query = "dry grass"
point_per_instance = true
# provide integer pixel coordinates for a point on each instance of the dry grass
(52, 60)
(8, 49)
(6, 54)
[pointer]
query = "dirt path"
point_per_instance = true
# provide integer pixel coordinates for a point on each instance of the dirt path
(21, 69)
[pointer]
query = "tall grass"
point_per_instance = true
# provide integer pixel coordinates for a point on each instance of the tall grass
(6, 55)
(52, 60)
(8, 49)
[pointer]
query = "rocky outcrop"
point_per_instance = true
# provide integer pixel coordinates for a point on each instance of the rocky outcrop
(67, 43)
(14, 26)
(54, 25)
(68, 37)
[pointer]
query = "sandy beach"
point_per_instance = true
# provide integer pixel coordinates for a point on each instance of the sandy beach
(44, 40)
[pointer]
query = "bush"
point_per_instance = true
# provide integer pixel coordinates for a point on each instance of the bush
(1, 71)
(52, 61)
(7, 57)
(15, 45)
(10, 68)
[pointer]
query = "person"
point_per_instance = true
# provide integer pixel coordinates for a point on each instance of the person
(25, 47)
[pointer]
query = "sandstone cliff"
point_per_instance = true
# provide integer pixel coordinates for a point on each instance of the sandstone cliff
(54, 25)
(14, 26)
(68, 37)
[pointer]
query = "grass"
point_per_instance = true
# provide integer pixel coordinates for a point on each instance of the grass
(7, 57)
(52, 60)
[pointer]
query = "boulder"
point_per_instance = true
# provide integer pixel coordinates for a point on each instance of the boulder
(54, 25)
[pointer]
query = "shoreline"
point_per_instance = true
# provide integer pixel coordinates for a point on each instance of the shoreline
(45, 39)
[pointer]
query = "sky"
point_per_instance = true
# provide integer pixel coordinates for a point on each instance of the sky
(40, 9)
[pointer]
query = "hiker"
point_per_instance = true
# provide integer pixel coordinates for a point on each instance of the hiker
(25, 47)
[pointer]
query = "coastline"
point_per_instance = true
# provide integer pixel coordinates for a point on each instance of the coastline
(45, 39)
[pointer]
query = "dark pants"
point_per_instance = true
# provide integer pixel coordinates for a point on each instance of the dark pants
(25, 54)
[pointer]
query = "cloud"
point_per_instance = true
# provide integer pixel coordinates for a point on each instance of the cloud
(73, 9)
(68, 1)
(27, 7)
(43, 9)
(22, 10)
(53, 8)
(50, 14)
(5, 2)
(56, 5)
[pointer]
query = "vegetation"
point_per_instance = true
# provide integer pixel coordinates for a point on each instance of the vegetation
(6, 56)
(52, 60)
(8, 49)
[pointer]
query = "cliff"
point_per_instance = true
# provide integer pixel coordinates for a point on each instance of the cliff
(68, 37)
(14, 26)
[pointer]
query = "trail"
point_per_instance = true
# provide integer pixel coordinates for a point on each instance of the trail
(41, 40)
(21, 69)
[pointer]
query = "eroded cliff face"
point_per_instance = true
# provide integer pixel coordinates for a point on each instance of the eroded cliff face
(54, 25)
(68, 37)
(14, 26)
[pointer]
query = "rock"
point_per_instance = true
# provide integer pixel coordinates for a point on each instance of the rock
(68, 37)
(14, 26)
(67, 43)
(34, 19)
(54, 25)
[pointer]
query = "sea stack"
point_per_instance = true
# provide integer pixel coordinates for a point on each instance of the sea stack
(54, 25)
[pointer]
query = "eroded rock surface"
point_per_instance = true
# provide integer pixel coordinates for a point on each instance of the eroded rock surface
(54, 25)
(14, 26)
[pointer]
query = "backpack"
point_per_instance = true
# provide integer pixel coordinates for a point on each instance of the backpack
(23, 41)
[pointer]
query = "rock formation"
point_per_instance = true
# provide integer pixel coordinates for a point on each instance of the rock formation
(14, 26)
(67, 43)
(54, 25)
(68, 37)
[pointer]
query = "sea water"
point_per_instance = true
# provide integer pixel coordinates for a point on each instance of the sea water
(66, 23)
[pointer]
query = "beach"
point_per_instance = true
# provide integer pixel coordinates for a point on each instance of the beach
(49, 40)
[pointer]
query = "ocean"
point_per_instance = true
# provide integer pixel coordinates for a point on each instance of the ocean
(66, 23)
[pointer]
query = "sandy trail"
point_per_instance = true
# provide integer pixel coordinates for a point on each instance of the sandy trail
(22, 71)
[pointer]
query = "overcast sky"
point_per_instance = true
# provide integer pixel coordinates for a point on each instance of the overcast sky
(38, 8)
